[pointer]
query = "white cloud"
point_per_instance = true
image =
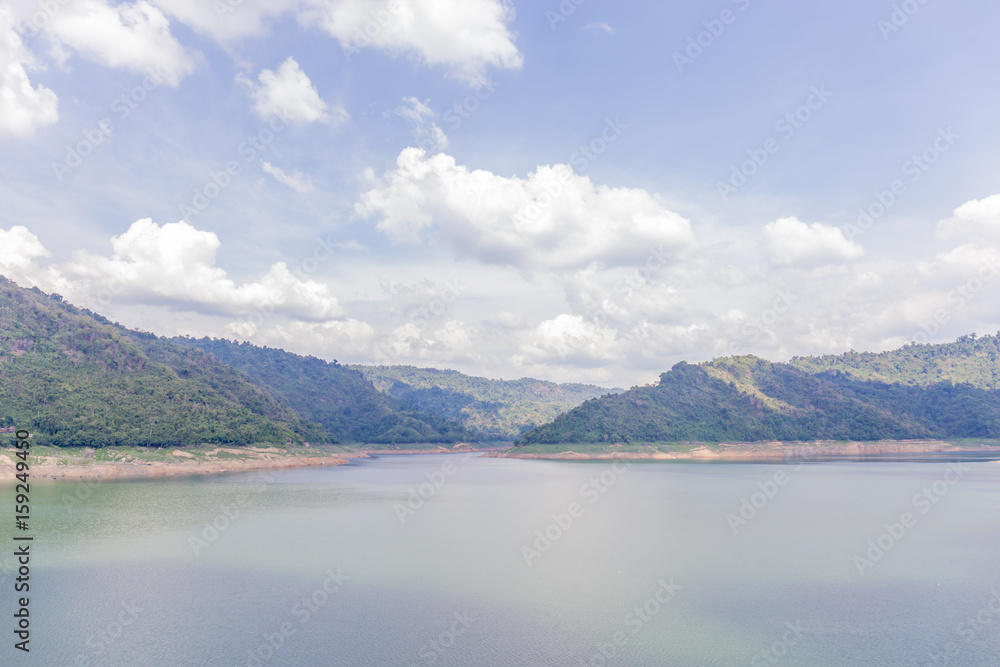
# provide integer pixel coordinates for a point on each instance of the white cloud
(351, 245)
(23, 108)
(791, 241)
(296, 180)
(456, 337)
(600, 25)
(464, 36)
(450, 342)
(978, 217)
(132, 36)
(415, 110)
(290, 94)
(507, 320)
(19, 248)
(553, 219)
(426, 131)
(570, 339)
(174, 265)
(227, 20)
(329, 340)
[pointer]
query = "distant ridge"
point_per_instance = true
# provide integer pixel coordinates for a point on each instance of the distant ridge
(917, 391)
(74, 378)
(336, 397)
(495, 408)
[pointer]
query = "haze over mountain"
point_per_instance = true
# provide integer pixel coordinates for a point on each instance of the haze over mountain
(75, 378)
(498, 408)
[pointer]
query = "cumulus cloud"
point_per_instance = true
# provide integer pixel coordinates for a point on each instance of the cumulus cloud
(132, 36)
(958, 263)
(463, 36)
(791, 241)
(507, 320)
(174, 265)
(289, 94)
(295, 180)
(570, 339)
(553, 219)
(426, 131)
(978, 217)
(23, 107)
(450, 342)
(330, 340)
(19, 248)
(225, 20)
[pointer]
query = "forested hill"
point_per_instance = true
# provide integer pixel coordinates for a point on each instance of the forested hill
(332, 395)
(749, 399)
(74, 378)
(970, 359)
(498, 408)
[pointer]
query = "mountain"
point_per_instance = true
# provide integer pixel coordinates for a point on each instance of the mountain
(502, 409)
(919, 391)
(74, 378)
(969, 359)
(336, 397)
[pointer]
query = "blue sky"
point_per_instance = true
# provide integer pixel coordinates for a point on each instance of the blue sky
(509, 189)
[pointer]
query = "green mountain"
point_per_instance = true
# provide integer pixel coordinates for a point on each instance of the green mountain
(969, 359)
(336, 397)
(74, 378)
(919, 391)
(501, 409)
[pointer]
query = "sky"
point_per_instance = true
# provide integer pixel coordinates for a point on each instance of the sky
(578, 191)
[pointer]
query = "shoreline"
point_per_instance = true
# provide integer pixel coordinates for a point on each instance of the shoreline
(764, 452)
(54, 463)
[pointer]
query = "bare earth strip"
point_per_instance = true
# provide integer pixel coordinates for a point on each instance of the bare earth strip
(126, 462)
(130, 462)
(746, 451)
(52, 462)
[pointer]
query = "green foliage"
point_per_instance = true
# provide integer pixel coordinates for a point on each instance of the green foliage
(336, 397)
(742, 399)
(500, 409)
(73, 378)
(971, 360)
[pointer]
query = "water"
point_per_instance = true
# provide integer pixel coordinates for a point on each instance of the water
(654, 565)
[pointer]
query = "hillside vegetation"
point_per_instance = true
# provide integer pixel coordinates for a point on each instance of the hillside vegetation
(74, 378)
(970, 359)
(500, 409)
(334, 396)
(920, 391)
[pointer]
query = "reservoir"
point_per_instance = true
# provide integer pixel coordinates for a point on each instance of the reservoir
(465, 560)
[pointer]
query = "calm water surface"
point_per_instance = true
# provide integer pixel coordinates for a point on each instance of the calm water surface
(520, 563)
